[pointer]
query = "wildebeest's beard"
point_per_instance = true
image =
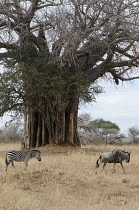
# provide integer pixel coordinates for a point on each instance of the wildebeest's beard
(128, 158)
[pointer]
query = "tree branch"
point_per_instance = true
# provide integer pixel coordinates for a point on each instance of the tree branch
(118, 76)
(8, 14)
(8, 45)
(32, 9)
(18, 8)
(6, 55)
(49, 5)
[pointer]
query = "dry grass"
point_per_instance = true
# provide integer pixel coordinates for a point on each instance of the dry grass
(65, 179)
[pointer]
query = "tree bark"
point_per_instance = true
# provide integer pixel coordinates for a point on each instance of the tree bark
(62, 127)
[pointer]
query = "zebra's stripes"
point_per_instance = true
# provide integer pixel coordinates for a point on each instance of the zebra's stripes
(20, 156)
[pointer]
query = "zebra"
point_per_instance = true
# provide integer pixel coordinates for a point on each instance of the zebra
(116, 156)
(20, 156)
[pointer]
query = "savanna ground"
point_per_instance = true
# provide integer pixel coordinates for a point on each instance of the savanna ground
(65, 179)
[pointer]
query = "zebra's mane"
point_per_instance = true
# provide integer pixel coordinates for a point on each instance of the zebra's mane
(34, 150)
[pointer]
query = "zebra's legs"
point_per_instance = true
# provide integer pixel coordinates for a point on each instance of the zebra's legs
(12, 162)
(7, 164)
(26, 163)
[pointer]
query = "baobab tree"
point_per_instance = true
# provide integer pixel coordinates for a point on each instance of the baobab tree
(55, 51)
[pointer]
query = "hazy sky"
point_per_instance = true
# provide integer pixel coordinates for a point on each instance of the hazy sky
(119, 104)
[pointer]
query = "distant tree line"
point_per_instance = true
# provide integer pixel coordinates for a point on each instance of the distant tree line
(98, 131)
(134, 134)
(12, 132)
(102, 131)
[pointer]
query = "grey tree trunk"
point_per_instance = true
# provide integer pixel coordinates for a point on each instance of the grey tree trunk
(60, 128)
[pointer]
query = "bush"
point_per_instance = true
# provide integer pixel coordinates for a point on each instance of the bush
(11, 133)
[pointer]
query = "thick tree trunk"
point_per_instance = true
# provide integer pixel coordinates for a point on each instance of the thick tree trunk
(59, 127)
(72, 136)
(27, 130)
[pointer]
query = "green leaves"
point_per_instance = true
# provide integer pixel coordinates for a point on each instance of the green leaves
(11, 92)
(31, 80)
(102, 124)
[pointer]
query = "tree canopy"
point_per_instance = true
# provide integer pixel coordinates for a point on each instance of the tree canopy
(90, 39)
(97, 130)
(102, 124)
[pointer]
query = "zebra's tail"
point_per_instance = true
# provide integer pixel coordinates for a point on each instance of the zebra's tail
(97, 164)
(7, 163)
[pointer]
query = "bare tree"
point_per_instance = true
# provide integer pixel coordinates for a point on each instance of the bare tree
(58, 49)
(12, 132)
(134, 134)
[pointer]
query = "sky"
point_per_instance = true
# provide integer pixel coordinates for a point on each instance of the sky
(118, 104)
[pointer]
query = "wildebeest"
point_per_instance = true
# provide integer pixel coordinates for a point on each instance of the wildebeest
(116, 156)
